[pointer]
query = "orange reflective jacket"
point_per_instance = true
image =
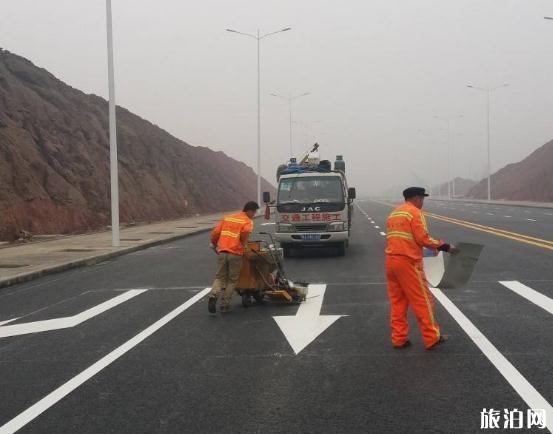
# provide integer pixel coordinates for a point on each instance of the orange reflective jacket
(407, 232)
(228, 232)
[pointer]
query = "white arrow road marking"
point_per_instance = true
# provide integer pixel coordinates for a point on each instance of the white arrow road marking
(68, 321)
(308, 323)
(65, 389)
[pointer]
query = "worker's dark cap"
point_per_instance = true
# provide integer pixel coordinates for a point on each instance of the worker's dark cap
(414, 191)
(251, 206)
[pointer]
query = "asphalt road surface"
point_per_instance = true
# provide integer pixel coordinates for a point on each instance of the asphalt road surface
(131, 348)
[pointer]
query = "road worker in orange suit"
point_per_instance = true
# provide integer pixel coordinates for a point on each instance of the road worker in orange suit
(407, 234)
(229, 240)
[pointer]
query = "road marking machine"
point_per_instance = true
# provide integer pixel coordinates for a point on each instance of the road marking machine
(262, 276)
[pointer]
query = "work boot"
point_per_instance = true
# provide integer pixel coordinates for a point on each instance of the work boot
(406, 344)
(225, 309)
(438, 342)
(212, 304)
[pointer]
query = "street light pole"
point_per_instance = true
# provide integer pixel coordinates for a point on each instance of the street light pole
(448, 122)
(114, 175)
(290, 98)
(453, 147)
(429, 180)
(488, 91)
(259, 37)
(258, 119)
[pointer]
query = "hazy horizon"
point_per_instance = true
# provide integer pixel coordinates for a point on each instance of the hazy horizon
(377, 72)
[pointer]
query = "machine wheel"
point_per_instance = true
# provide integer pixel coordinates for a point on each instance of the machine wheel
(246, 300)
(258, 297)
(341, 249)
(286, 251)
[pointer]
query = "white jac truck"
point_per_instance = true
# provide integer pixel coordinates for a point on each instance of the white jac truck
(314, 205)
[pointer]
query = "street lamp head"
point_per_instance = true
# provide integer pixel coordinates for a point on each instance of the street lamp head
(230, 30)
(548, 18)
(286, 29)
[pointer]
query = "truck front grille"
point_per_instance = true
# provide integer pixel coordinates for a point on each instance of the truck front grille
(311, 228)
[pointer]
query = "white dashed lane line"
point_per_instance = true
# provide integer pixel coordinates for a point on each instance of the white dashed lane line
(383, 234)
(508, 216)
(531, 220)
(489, 213)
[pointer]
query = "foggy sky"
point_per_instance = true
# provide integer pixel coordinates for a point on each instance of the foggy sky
(378, 71)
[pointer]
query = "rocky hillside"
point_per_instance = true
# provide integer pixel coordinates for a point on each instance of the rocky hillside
(528, 180)
(54, 161)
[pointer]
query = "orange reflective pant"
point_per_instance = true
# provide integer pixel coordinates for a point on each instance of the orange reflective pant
(407, 286)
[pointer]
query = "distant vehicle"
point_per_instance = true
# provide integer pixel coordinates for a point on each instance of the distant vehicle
(314, 205)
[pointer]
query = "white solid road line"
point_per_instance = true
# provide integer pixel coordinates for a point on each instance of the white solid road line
(526, 391)
(10, 320)
(68, 321)
(529, 294)
(49, 400)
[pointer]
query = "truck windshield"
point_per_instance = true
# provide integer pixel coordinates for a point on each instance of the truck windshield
(313, 189)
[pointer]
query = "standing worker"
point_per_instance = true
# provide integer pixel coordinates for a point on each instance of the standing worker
(407, 234)
(229, 240)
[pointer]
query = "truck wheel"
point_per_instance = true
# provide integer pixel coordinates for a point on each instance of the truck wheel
(341, 249)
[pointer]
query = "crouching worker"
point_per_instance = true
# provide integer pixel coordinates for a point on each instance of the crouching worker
(229, 240)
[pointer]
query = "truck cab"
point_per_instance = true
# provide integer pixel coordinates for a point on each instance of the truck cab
(313, 208)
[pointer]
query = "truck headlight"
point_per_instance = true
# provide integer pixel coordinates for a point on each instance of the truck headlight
(284, 227)
(336, 227)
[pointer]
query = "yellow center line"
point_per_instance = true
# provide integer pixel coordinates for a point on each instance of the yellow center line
(527, 239)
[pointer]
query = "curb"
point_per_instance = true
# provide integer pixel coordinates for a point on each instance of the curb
(20, 278)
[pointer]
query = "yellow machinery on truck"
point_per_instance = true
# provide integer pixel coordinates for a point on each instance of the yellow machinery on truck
(262, 276)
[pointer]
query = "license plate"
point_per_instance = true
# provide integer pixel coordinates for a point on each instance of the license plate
(311, 237)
